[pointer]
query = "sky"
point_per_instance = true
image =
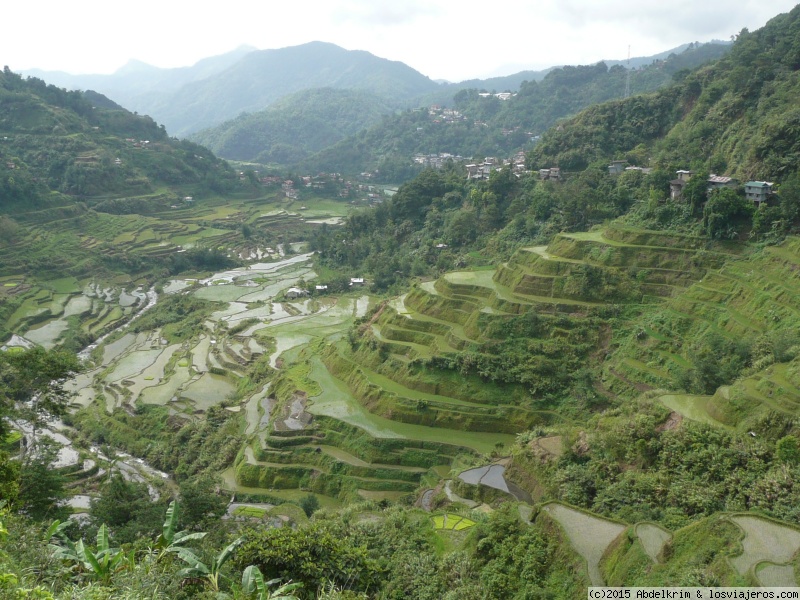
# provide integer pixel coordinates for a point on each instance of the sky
(443, 39)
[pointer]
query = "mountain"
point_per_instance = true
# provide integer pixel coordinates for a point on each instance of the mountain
(488, 126)
(137, 85)
(264, 76)
(58, 145)
(295, 126)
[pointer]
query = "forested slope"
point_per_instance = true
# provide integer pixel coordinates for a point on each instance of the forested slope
(488, 126)
(736, 116)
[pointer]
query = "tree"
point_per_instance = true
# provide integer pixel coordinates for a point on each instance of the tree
(695, 192)
(41, 487)
(724, 212)
(313, 555)
(309, 504)
(200, 503)
(788, 450)
(170, 540)
(32, 386)
(125, 506)
(100, 564)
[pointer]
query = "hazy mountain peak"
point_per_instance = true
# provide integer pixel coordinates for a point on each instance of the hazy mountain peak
(135, 66)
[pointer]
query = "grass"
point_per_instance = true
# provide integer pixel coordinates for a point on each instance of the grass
(252, 512)
(451, 522)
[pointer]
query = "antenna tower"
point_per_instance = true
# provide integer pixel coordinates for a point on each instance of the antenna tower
(628, 75)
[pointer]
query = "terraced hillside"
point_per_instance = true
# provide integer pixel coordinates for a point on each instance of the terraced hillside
(424, 382)
(743, 310)
(61, 252)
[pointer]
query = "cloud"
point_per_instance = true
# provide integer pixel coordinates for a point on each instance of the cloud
(384, 13)
(685, 20)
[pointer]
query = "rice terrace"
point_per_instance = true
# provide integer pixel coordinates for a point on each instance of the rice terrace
(385, 337)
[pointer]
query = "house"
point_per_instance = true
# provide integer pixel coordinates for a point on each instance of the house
(758, 191)
(295, 292)
(616, 167)
(356, 281)
(676, 185)
(321, 288)
(717, 182)
(553, 173)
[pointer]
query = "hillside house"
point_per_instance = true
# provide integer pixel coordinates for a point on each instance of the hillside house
(676, 185)
(356, 281)
(758, 191)
(551, 174)
(295, 292)
(718, 182)
(616, 167)
(644, 170)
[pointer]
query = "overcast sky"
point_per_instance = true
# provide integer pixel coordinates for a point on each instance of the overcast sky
(443, 39)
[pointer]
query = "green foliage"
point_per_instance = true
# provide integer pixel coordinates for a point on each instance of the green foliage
(126, 507)
(297, 125)
(62, 141)
(100, 564)
(170, 540)
(210, 573)
(309, 504)
(716, 361)
(32, 384)
(725, 213)
(515, 560)
(178, 316)
(787, 450)
(312, 555)
(735, 116)
(40, 487)
(487, 126)
(254, 585)
(182, 447)
(201, 504)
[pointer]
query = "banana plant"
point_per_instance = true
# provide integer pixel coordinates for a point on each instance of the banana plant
(253, 584)
(197, 569)
(101, 563)
(169, 540)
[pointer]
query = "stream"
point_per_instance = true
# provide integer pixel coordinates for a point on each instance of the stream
(152, 298)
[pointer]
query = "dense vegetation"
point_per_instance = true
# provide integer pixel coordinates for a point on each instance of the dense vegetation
(733, 116)
(645, 351)
(57, 142)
